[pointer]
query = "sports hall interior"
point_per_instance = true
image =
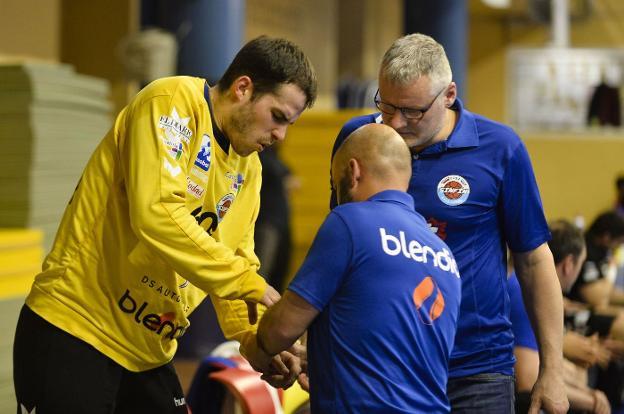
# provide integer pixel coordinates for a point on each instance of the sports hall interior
(575, 165)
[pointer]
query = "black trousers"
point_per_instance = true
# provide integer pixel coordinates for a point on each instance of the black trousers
(55, 372)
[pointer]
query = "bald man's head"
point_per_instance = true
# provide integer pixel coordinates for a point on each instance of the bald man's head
(373, 158)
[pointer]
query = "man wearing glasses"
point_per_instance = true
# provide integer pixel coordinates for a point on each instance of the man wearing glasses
(473, 182)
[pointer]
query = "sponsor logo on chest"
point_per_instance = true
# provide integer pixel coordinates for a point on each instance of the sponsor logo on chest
(202, 161)
(194, 189)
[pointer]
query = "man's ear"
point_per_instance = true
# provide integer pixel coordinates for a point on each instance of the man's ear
(242, 88)
(355, 171)
(450, 95)
(567, 264)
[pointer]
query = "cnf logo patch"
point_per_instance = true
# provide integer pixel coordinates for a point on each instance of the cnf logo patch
(224, 205)
(427, 293)
(453, 190)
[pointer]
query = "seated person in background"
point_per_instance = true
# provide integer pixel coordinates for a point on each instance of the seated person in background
(568, 249)
(378, 290)
(595, 284)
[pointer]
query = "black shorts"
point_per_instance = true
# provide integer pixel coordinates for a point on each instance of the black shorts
(56, 372)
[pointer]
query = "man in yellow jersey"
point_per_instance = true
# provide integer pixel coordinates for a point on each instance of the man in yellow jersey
(162, 216)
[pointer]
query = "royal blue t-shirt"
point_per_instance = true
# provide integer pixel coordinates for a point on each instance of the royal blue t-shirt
(520, 323)
(478, 193)
(388, 293)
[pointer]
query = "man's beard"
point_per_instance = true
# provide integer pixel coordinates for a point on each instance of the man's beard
(344, 192)
(241, 122)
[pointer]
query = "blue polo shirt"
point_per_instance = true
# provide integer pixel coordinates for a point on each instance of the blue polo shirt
(478, 193)
(520, 322)
(388, 293)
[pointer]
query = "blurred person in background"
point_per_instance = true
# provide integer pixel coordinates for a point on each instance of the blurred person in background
(619, 194)
(595, 285)
(162, 216)
(568, 249)
(473, 182)
(596, 289)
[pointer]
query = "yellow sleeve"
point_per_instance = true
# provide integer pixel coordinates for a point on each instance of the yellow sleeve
(156, 190)
(232, 314)
(233, 318)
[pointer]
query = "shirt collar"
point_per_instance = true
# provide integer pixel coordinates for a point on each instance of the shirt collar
(396, 196)
(464, 135)
(222, 140)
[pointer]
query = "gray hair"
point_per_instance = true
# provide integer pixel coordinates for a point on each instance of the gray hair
(413, 56)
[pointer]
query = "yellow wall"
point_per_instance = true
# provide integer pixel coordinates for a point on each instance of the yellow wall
(30, 28)
(576, 173)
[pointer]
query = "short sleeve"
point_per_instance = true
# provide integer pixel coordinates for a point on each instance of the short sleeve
(523, 215)
(326, 264)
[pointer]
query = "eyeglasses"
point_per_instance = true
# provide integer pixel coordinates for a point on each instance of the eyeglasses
(408, 113)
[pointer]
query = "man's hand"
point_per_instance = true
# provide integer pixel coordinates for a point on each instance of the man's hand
(280, 371)
(271, 296)
(302, 352)
(580, 349)
(549, 394)
(601, 403)
(287, 369)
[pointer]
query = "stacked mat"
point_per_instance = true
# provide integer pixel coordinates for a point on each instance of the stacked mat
(51, 120)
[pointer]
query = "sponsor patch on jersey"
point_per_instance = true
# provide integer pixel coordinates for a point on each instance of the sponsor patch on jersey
(200, 174)
(175, 127)
(224, 205)
(174, 171)
(194, 189)
(437, 227)
(203, 156)
(453, 190)
(176, 151)
(237, 181)
(427, 295)
(174, 147)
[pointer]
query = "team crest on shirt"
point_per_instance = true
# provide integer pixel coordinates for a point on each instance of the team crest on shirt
(204, 155)
(453, 190)
(175, 127)
(224, 205)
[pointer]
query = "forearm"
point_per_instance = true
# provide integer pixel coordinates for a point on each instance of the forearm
(542, 296)
(284, 323)
(580, 399)
(274, 333)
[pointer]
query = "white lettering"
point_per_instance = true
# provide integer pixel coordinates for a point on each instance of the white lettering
(385, 238)
(414, 250)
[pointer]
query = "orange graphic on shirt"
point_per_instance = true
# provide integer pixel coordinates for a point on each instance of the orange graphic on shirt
(422, 292)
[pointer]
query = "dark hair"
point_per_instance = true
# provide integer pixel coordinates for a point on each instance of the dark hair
(566, 239)
(271, 62)
(610, 223)
(619, 182)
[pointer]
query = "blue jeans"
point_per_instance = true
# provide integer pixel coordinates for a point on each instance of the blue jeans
(481, 394)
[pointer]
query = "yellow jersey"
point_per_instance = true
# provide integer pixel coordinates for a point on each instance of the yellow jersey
(163, 214)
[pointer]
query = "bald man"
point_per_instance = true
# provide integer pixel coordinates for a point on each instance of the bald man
(378, 292)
